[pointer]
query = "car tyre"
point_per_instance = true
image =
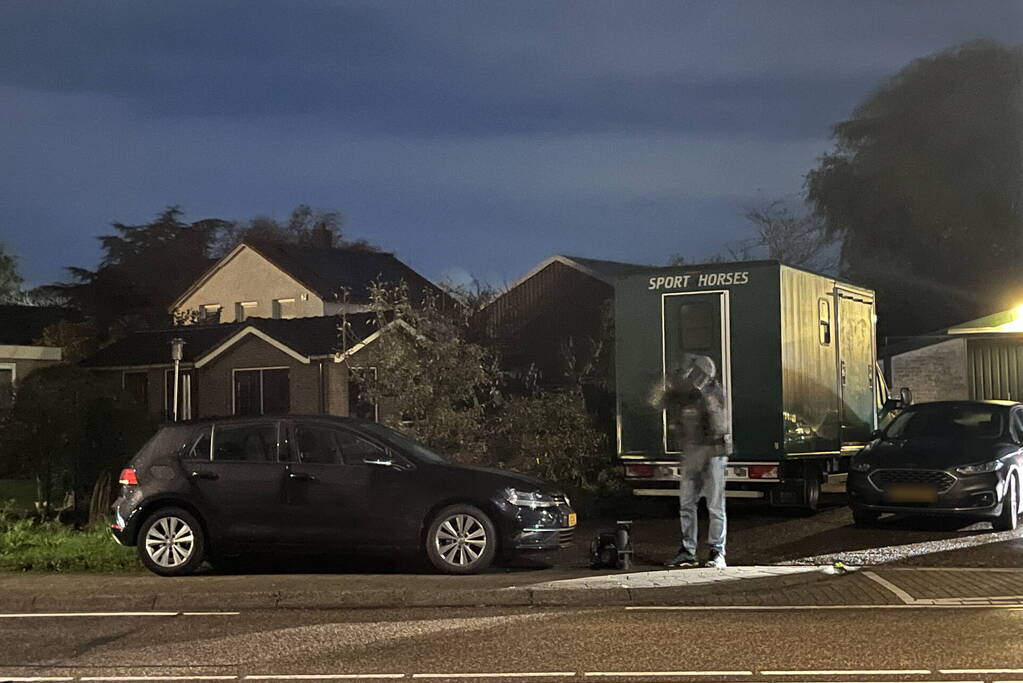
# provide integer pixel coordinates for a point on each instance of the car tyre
(865, 518)
(461, 539)
(1009, 519)
(171, 542)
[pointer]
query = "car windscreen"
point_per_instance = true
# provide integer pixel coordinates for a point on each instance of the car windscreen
(948, 422)
(403, 443)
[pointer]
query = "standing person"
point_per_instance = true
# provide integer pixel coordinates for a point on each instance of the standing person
(695, 399)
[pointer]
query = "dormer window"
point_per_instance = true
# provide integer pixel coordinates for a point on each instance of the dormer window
(284, 308)
(244, 310)
(210, 314)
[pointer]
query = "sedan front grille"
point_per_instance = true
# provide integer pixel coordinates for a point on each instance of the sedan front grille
(942, 481)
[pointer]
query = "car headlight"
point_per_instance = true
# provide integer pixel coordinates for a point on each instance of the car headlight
(981, 468)
(532, 499)
(860, 466)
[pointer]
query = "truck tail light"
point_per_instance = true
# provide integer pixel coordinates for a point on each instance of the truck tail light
(128, 477)
(763, 471)
(639, 471)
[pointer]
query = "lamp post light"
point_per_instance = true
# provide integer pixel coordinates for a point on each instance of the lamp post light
(177, 353)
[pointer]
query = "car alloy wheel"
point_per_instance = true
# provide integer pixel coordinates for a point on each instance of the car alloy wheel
(171, 542)
(461, 540)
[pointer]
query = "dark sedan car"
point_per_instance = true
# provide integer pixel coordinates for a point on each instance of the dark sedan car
(954, 458)
(327, 485)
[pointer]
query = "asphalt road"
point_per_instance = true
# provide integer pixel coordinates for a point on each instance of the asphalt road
(791, 646)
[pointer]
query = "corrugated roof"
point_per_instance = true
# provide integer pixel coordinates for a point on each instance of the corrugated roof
(306, 336)
(608, 270)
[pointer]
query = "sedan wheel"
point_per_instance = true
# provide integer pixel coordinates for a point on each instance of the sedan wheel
(461, 540)
(171, 543)
(1009, 519)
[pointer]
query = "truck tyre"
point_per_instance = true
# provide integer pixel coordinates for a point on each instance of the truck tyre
(1009, 519)
(865, 518)
(811, 489)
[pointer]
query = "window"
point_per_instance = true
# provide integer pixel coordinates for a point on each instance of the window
(947, 421)
(244, 310)
(245, 443)
(202, 447)
(824, 321)
(210, 313)
(333, 446)
(358, 406)
(1017, 426)
(284, 308)
(261, 391)
(186, 395)
(137, 384)
(6, 385)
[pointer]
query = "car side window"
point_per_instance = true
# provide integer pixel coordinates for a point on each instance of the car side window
(255, 442)
(317, 445)
(1017, 426)
(356, 450)
(200, 449)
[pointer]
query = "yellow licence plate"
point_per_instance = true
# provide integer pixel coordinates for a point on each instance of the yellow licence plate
(572, 517)
(910, 493)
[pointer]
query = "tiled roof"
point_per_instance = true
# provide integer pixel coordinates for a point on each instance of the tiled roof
(306, 336)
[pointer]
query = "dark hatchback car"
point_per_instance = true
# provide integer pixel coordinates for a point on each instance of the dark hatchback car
(954, 458)
(327, 485)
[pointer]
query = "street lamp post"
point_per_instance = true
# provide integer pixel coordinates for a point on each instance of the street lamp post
(177, 352)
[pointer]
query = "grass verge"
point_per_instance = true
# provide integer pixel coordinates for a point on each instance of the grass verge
(52, 547)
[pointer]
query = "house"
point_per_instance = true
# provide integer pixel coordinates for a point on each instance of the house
(20, 354)
(260, 279)
(258, 366)
(558, 307)
(979, 359)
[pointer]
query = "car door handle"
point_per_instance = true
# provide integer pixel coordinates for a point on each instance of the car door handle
(199, 474)
(301, 476)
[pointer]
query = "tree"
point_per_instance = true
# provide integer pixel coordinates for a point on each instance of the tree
(304, 226)
(925, 188)
(782, 234)
(67, 427)
(10, 279)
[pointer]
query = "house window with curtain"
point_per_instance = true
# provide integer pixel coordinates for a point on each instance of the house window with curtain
(262, 391)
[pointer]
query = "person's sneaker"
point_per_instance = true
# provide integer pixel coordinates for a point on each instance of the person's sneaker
(717, 561)
(682, 561)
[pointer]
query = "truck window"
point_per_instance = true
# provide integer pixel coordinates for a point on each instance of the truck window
(824, 315)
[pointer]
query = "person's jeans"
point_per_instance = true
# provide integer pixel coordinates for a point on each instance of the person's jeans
(702, 475)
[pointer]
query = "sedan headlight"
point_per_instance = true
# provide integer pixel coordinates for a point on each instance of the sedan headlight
(981, 468)
(860, 466)
(532, 499)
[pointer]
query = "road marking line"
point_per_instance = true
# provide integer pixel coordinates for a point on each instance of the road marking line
(755, 608)
(50, 615)
(899, 593)
(850, 672)
(980, 671)
(320, 677)
(37, 678)
(668, 673)
(541, 674)
(197, 677)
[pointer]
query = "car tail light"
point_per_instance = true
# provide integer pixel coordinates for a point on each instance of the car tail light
(639, 471)
(128, 477)
(763, 471)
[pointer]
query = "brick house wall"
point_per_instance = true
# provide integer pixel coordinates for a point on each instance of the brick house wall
(935, 373)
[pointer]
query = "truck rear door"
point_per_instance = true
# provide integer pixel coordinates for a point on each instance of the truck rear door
(856, 365)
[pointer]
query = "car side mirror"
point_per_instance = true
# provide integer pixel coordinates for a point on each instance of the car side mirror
(906, 397)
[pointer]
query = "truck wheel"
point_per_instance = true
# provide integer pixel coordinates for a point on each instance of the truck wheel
(811, 492)
(1009, 519)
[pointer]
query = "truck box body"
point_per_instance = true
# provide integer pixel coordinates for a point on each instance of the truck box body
(795, 352)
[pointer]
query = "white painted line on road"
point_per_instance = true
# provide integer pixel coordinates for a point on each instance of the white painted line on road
(775, 608)
(41, 615)
(36, 678)
(209, 614)
(850, 672)
(539, 674)
(321, 677)
(899, 593)
(197, 677)
(980, 671)
(668, 673)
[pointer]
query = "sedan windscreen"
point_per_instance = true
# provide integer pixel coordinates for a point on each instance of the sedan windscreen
(948, 422)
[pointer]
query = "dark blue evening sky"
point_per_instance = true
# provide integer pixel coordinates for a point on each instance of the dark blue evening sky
(469, 138)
